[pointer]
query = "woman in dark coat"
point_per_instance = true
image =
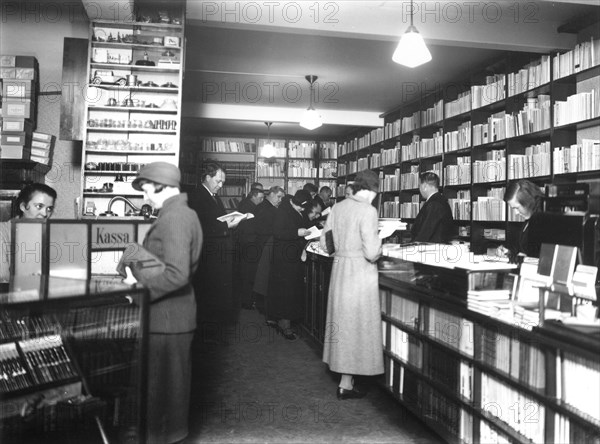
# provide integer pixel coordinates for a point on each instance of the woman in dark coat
(286, 284)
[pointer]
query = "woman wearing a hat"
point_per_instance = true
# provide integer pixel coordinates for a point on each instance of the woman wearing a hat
(286, 285)
(353, 343)
(176, 238)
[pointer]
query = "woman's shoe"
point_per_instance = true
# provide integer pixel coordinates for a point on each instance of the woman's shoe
(272, 324)
(349, 394)
(287, 333)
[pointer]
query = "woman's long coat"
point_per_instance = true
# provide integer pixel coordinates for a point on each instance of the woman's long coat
(353, 339)
(286, 278)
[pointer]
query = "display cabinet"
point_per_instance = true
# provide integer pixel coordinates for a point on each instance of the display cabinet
(73, 363)
(133, 102)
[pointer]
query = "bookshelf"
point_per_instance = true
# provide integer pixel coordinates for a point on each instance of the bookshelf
(523, 116)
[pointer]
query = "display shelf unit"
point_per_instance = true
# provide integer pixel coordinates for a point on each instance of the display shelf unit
(135, 73)
(90, 346)
(512, 119)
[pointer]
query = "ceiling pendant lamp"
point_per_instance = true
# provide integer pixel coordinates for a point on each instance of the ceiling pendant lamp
(411, 50)
(311, 119)
(268, 150)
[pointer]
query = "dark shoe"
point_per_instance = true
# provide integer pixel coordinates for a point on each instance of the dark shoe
(272, 324)
(349, 394)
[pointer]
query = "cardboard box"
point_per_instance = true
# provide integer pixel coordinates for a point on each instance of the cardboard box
(8, 61)
(15, 152)
(17, 125)
(40, 144)
(18, 108)
(40, 152)
(26, 62)
(8, 73)
(18, 89)
(42, 136)
(21, 138)
(25, 73)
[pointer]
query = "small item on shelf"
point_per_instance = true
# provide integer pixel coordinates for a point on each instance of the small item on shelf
(168, 85)
(150, 84)
(168, 104)
(171, 41)
(128, 102)
(111, 102)
(132, 80)
(145, 61)
(151, 105)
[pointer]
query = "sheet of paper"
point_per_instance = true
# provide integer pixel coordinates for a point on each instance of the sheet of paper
(314, 233)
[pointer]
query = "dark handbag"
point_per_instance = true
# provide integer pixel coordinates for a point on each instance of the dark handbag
(329, 245)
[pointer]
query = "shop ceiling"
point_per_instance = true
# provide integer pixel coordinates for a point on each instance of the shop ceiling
(246, 60)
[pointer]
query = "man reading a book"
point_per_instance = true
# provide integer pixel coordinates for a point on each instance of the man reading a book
(175, 238)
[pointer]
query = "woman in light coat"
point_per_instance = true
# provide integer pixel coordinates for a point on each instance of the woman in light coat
(353, 341)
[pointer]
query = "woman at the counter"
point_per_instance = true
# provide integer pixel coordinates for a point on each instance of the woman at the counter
(35, 201)
(352, 344)
(525, 198)
(175, 238)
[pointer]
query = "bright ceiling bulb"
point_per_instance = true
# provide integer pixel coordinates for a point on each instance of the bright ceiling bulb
(268, 150)
(311, 119)
(411, 50)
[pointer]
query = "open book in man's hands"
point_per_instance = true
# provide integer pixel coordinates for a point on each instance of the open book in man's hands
(235, 216)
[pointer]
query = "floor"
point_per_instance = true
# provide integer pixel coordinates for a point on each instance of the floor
(251, 385)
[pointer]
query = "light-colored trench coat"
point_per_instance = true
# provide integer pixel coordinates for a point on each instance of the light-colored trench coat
(353, 338)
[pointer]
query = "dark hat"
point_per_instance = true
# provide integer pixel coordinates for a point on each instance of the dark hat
(366, 180)
(158, 172)
(302, 197)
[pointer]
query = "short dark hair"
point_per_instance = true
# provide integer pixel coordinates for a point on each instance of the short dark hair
(325, 189)
(365, 180)
(255, 192)
(526, 193)
(310, 187)
(256, 185)
(210, 169)
(430, 178)
(29, 190)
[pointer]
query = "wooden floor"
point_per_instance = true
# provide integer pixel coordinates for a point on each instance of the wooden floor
(251, 385)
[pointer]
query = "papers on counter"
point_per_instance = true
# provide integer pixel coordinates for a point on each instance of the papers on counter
(387, 227)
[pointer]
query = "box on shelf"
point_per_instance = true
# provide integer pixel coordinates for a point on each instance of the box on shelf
(18, 108)
(8, 73)
(8, 61)
(18, 89)
(16, 125)
(20, 138)
(15, 152)
(26, 62)
(43, 137)
(25, 73)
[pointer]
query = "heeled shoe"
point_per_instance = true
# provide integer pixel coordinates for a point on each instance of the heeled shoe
(349, 394)
(287, 333)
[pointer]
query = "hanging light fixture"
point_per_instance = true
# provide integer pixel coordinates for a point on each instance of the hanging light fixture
(268, 150)
(311, 119)
(411, 50)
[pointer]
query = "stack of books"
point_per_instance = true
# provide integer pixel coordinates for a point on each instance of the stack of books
(42, 148)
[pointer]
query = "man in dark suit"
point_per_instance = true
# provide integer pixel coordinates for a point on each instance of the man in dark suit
(250, 202)
(434, 223)
(213, 280)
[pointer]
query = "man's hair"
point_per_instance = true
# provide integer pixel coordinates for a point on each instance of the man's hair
(310, 187)
(325, 189)
(210, 169)
(276, 189)
(430, 178)
(256, 185)
(28, 191)
(255, 192)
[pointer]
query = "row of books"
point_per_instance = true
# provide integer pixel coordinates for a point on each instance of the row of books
(25, 327)
(390, 182)
(530, 76)
(461, 105)
(489, 170)
(492, 91)
(578, 107)
(461, 209)
(579, 378)
(227, 146)
(302, 149)
(405, 346)
(452, 330)
(459, 139)
(521, 412)
(584, 56)
(535, 162)
(583, 156)
(433, 114)
(459, 173)
(403, 310)
(391, 209)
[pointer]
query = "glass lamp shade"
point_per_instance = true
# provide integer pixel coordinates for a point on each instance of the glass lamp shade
(268, 150)
(311, 119)
(411, 50)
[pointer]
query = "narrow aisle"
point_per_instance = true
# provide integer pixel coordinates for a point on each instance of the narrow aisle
(251, 385)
